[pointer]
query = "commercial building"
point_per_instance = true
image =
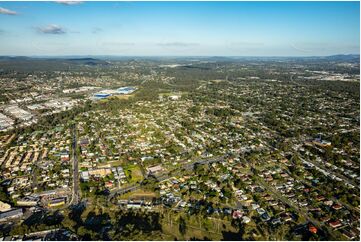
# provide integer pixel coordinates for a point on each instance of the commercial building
(154, 169)
(84, 176)
(12, 214)
(28, 201)
(56, 202)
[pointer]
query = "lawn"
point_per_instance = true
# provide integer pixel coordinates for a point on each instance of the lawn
(116, 163)
(133, 173)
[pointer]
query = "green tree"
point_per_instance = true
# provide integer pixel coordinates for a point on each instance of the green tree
(182, 226)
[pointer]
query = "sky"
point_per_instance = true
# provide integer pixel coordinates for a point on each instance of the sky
(179, 28)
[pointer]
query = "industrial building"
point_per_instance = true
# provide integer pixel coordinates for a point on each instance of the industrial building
(101, 95)
(5, 122)
(126, 90)
(18, 113)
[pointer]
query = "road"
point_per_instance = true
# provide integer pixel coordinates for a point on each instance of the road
(38, 233)
(320, 165)
(75, 193)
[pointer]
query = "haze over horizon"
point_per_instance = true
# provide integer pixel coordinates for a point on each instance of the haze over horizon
(179, 28)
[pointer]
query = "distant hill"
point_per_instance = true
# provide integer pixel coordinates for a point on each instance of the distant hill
(59, 63)
(88, 61)
(350, 57)
(82, 59)
(24, 63)
(14, 58)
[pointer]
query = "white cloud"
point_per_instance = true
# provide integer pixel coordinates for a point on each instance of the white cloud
(52, 29)
(7, 11)
(64, 2)
(117, 43)
(246, 44)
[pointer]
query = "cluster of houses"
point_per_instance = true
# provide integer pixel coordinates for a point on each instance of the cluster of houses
(305, 191)
(36, 167)
(152, 133)
(246, 203)
(252, 200)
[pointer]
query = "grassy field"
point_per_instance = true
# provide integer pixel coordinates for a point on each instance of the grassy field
(123, 97)
(120, 96)
(133, 173)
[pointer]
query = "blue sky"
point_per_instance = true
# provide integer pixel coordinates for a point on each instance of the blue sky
(180, 28)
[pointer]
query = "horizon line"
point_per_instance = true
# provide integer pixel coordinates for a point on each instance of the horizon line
(229, 56)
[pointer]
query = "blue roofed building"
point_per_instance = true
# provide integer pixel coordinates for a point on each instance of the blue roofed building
(101, 95)
(126, 90)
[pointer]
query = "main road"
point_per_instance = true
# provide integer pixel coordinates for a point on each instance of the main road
(75, 193)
